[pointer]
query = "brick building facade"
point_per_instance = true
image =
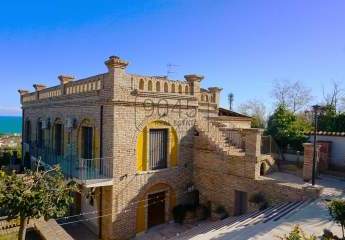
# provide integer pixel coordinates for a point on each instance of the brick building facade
(136, 145)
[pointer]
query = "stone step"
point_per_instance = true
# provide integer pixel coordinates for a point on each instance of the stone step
(222, 145)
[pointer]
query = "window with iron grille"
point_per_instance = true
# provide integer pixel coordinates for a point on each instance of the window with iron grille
(158, 153)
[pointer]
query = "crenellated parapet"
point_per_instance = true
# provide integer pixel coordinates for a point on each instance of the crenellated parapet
(116, 84)
(158, 84)
(67, 87)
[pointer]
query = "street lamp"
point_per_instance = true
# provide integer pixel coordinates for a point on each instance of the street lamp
(317, 111)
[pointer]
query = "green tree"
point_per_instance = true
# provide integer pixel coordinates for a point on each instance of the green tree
(37, 193)
(287, 128)
(337, 211)
(332, 121)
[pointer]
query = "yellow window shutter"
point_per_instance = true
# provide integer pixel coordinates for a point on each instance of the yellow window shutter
(142, 150)
(140, 217)
(173, 147)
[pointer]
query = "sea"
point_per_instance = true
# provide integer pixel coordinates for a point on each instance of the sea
(10, 125)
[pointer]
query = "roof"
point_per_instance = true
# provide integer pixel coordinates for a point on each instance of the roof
(226, 112)
(324, 133)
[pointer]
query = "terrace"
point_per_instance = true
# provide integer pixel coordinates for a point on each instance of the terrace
(93, 172)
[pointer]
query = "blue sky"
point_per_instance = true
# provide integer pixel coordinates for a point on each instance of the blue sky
(239, 45)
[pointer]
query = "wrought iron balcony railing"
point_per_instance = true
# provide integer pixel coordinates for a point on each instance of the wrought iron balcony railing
(73, 166)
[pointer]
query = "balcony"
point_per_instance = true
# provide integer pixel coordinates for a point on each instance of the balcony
(94, 172)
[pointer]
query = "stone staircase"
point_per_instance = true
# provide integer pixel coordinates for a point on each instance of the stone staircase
(271, 214)
(217, 137)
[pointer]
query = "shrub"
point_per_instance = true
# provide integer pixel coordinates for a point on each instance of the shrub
(337, 211)
(297, 234)
(203, 212)
(179, 213)
(264, 205)
(328, 235)
(221, 211)
(257, 198)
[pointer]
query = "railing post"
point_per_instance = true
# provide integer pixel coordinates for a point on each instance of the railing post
(253, 141)
(308, 160)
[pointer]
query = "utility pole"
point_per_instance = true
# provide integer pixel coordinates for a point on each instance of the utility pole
(231, 100)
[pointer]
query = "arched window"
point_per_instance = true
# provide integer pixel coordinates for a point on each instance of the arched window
(206, 98)
(162, 137)
(158, 86)
(173, 88)
(39, 133)
(141, 84)
(149, 85)
(86, 140)
(179, 89)
(58, 134)
(27, 131)
(166, 87)
(186, 90)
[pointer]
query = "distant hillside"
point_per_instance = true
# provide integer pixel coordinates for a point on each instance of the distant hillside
(10, 124)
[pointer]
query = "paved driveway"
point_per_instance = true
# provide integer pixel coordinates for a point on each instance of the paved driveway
(312, 218)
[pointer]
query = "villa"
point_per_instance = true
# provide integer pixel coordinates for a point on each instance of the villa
(140, 145)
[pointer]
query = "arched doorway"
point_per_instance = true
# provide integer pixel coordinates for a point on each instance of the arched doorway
(155, 206)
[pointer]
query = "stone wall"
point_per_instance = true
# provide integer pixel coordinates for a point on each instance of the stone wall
(129, 184)
(217, 176)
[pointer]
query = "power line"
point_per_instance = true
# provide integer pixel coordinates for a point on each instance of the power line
(127, 205)
(127, 209)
